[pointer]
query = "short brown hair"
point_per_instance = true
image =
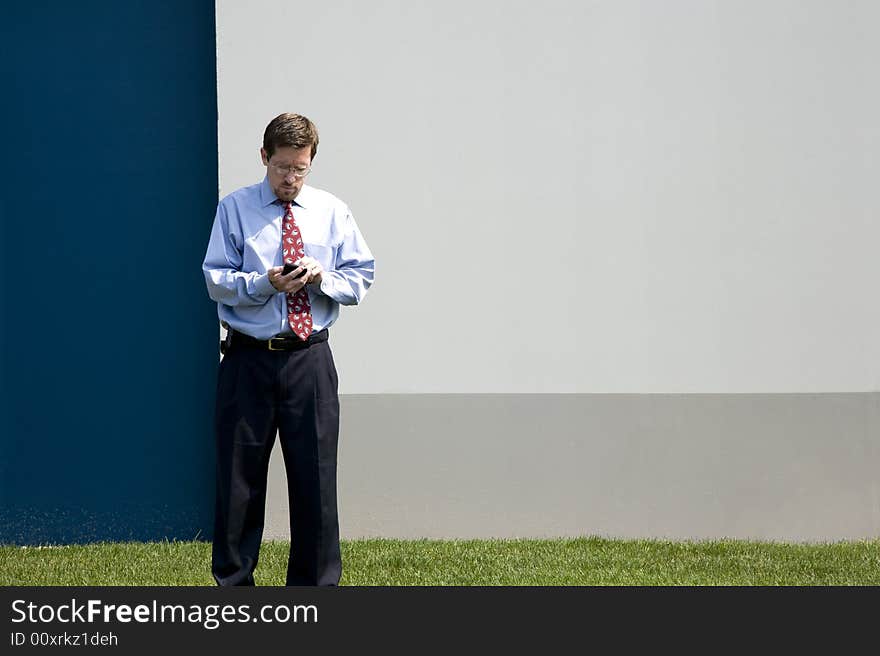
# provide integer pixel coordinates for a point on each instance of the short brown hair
(291, 130)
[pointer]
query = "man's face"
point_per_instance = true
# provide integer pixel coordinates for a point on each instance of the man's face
(284, 183)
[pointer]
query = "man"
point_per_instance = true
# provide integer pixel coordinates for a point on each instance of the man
(277, 373)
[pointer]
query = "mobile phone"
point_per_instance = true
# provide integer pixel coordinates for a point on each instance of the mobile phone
(290, 267)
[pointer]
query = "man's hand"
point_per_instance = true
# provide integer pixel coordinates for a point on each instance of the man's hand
(289, 283)
(313, 269)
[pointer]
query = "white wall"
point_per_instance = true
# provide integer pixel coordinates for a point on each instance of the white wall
(700, 213)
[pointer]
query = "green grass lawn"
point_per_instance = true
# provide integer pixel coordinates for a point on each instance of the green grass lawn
(582, 561)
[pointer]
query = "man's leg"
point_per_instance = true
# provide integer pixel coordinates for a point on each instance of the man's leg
(245, 425)
(309, 432)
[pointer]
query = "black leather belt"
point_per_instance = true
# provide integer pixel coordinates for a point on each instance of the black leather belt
(285, 343)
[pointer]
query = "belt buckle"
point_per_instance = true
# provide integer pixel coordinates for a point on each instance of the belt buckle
(272, 339)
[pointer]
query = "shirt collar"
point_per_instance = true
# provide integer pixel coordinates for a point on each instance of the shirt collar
(267, 196)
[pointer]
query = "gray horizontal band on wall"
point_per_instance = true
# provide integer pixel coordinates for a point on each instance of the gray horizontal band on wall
(798, 467)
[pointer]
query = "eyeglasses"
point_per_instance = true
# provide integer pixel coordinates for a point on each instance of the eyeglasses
(299, 174)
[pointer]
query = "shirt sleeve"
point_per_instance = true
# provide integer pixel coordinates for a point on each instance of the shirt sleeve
(226, 282)
(348, 283)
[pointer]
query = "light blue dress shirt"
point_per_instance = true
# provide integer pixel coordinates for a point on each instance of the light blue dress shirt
(246, 242)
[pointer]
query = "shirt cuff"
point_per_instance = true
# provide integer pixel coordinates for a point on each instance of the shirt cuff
(325, 285)
(263, 286)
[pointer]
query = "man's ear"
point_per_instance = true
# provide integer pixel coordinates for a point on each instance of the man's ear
(264, 157)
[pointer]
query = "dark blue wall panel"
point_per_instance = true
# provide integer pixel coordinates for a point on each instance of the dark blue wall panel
(109, 175)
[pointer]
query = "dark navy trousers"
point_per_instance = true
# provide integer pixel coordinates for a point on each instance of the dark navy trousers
(294, 394)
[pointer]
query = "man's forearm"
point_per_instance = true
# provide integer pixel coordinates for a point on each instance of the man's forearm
(347, 286)
(237, 288)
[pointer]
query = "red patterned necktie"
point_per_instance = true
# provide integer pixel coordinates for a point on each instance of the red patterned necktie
(299, 310)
